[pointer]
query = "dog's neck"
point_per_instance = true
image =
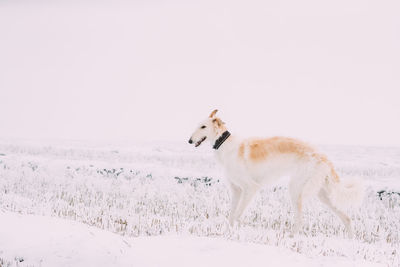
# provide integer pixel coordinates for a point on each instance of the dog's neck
(221, 139)
(226, 148)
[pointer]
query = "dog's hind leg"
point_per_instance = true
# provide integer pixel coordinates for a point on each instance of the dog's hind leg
(345, 219)
(302, 186)
(235, 196)
(298, 208)
(296, 190)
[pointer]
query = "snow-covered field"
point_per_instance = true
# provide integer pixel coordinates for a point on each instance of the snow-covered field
(165, 204)
(56, 242)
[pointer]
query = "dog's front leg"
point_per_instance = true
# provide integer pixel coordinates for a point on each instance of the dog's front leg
(246, 196)
(235, 196)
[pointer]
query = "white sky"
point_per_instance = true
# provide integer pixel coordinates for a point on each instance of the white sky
(324, 71)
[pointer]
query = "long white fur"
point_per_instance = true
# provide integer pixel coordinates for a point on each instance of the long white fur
(309, 177)
(348, 193)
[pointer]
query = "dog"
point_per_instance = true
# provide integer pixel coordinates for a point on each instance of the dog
(249, 164)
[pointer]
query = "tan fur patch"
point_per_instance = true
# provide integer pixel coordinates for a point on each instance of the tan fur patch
(335, 176)
(219, 125)
(322, 158)
(218, 122)
(260, 149)
(241, 151)
(213, 113)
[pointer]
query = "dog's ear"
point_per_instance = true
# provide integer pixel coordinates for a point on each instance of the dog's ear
(213, 113)
(218, 122)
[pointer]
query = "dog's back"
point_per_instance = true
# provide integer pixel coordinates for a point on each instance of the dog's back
(268, 159)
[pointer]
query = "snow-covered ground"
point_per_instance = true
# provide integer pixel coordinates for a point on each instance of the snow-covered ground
(165, 204)
(46, 241)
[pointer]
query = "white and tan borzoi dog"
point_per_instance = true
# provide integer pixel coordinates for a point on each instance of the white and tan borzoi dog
(250, 164)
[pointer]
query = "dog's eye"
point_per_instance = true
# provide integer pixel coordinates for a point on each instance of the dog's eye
(202, 127)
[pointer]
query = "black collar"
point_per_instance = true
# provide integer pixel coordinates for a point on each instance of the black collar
(221, 139)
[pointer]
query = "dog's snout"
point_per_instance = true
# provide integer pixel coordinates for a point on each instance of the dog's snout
(190, 141)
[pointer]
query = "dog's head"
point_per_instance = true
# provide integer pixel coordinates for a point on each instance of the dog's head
(211, 128)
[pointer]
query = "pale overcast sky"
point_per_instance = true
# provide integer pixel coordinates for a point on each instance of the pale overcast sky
(324, 71)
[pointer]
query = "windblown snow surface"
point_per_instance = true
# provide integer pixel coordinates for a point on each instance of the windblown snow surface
(166, 204)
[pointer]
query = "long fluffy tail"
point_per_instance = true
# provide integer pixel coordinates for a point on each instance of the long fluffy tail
(344, 194)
